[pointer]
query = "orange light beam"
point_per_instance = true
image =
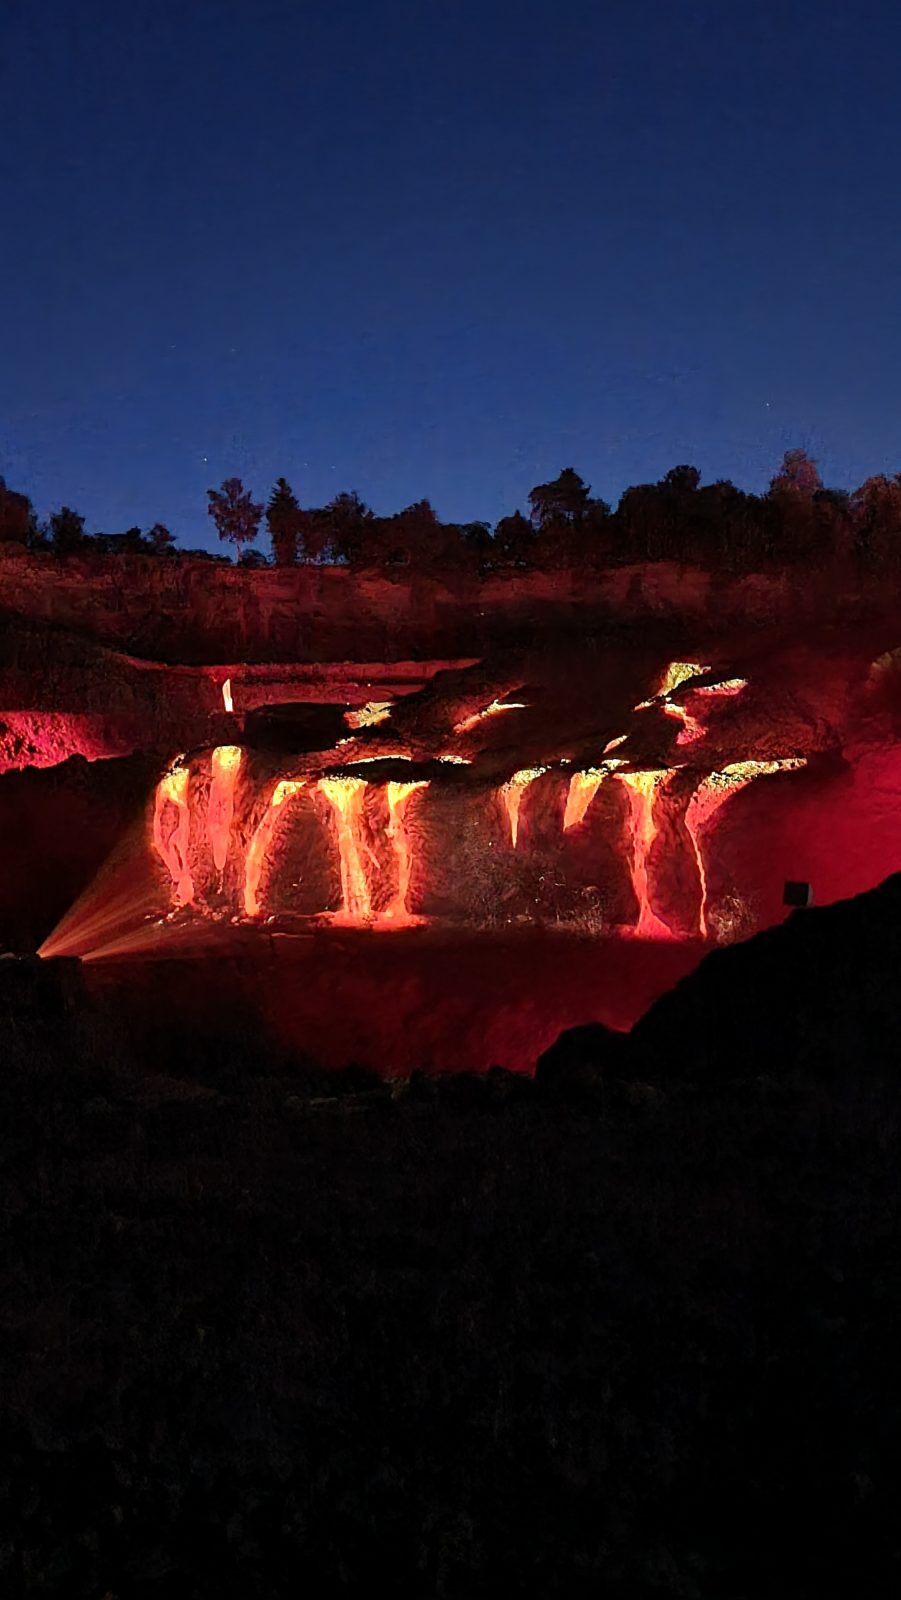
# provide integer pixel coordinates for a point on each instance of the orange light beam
(346, 796)
(583, 786)
(709, 796)
(642, 787)
(111, 902)
(399, 795)
(225, 763)
(172, 847)
(259, 844)
(511, 795)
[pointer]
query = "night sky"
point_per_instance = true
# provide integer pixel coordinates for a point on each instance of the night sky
(442, 247)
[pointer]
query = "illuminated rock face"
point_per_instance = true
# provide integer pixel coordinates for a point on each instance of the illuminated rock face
(525, 817)
(710, 795)
(171, 831)
(662, 787)
(38, 739)
(220, 830)
(642, 788)
(512, 793)
(399, 796)
(260, 842)
(583, 786)
(225, 763)
(346, 796)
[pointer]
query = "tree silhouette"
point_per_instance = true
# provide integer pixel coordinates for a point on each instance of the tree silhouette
(476, 544)
(723, 527)
(515, 539)
(716, 526)
(160, 539)
(412, 537)
(666, 520)
(16, 515)
(476, 535)
(351, 526)
(66, 531)
(875, 519)
(793, 493)
(284, 519)
(679, 509)
(235, 513)
(798, 475)
(681, 480)
(563, 500)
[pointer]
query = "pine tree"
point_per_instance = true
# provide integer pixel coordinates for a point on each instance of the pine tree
(284, 520)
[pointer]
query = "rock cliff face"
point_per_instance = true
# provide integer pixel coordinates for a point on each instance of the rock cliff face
(197, 612)
(617, 756)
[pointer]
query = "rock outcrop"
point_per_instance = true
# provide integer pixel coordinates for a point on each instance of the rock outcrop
(817, 994)
(592, 757)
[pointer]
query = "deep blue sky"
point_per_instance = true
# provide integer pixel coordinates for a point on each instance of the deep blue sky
(442, 247)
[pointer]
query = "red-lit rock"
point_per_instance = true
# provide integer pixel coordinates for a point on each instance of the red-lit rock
(503, 768)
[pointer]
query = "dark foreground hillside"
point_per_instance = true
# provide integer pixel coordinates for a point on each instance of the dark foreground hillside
(262, 1333)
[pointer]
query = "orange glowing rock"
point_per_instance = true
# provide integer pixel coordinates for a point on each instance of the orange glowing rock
(370, 715)
(710, 795)
(678, 672)
(728, 686)
(488, 711)
(583, 786)
(383, 755)
(346, 796)
(706, 800)
(227, 701)
(171, 844)
(259, 844)
(511, 795)
(643, 787)
(692, 730)
(224, 766)
(398, 912)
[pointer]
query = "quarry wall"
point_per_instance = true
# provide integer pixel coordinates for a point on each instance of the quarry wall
(191, 611)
